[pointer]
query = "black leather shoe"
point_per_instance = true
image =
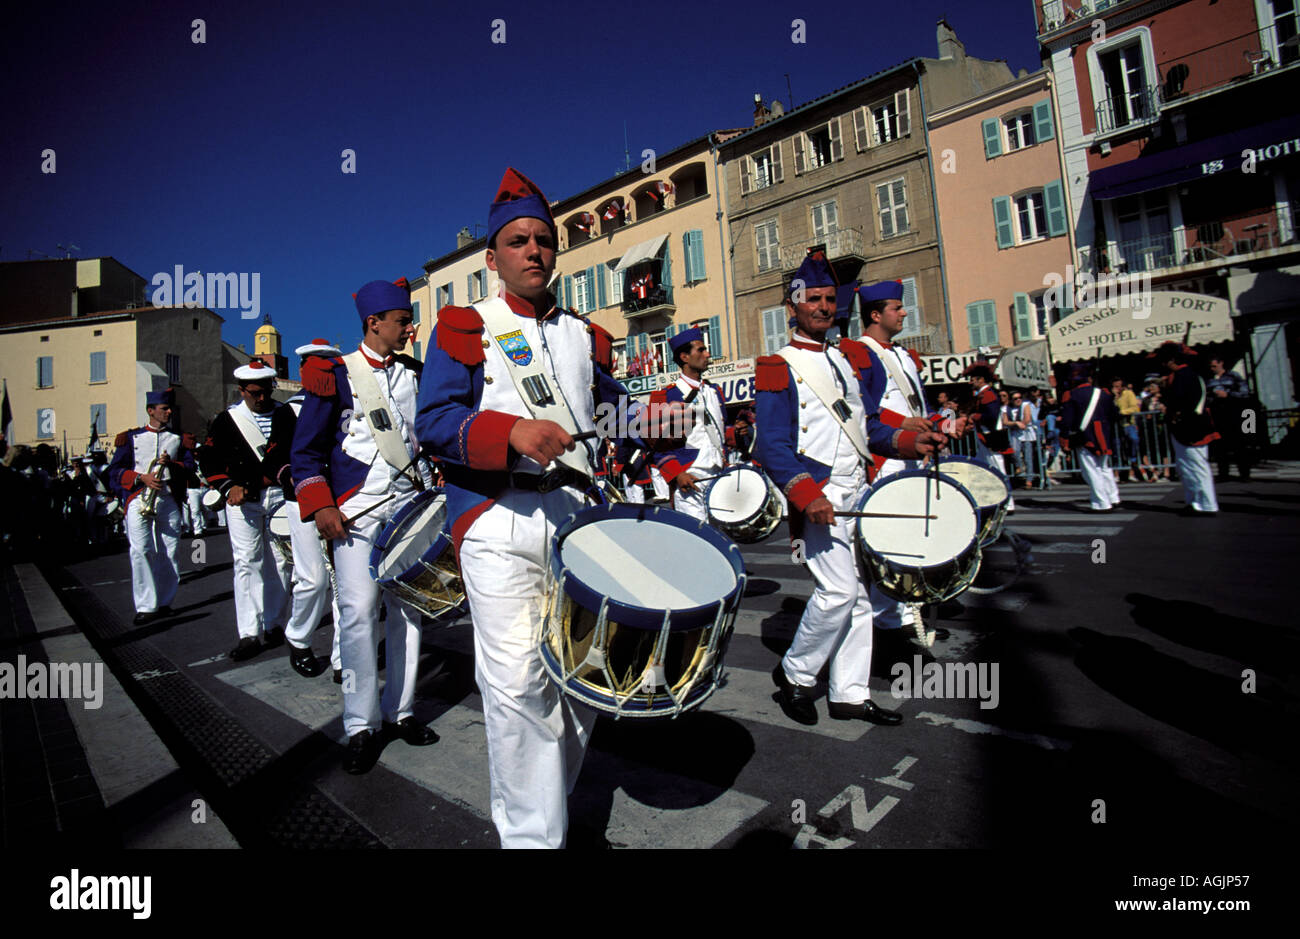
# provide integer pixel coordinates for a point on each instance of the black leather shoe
(247, 648)
(795, 700)
(866, 711)
(165, 611)
(338, 676)
(144, 619)
(305, 662)
(363, 752)
(410, 730)
(273, 638)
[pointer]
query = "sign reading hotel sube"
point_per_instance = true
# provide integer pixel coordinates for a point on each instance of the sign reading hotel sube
(1139, 322)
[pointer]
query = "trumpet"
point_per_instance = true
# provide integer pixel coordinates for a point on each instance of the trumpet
(149, 501)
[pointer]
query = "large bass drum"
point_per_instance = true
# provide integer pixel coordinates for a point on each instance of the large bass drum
(640, 603)
(907, 560)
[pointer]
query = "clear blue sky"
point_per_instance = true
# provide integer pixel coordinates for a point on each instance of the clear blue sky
(225, 156)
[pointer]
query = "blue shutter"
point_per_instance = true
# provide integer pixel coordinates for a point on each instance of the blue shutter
(697, 243)
(591, 289)
(415, 352)
(687, 258)
(992, 138)
(99, 418)
(483, 281)
(44, 371)
(415, 312)
(1002, 221)
(451, 294)
(469, 288)
(715, 335)
(568, 292)
(1054, 202)
(666, 271)
(98, 366)
(1024, 321)
(602, 289)
(1043, 128)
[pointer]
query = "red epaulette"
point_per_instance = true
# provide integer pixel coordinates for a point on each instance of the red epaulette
(187, 441)
(987, 396)
(460, 334)
(121, 439)
(856, 353)
(659, 396)
(317, 375)
(602, 346)
(916, 359)
(771, 374)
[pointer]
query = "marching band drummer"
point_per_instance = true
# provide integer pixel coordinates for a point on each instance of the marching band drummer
(1088, 421)
(705, 453)
(354, 447)
(232, 456)
(153, 459)
(510, 381)
(991, 437)
(311, 582)
(1191, 426)
(817, 414)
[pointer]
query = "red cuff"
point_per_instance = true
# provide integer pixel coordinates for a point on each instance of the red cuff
(905, 444)
(487, 441)
(671, 468)
(892, 418)
(313, 497)
(804, 493)
(128, 479)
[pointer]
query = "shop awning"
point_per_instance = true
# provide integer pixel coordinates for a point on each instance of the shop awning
(1221, 155)
(645, 251)
(1139, 322)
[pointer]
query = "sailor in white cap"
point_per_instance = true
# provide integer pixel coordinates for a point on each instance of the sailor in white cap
(233, 459)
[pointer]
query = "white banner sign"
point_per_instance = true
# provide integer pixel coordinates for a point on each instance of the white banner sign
(1025, 366)
(1140, 322)
(945, 369)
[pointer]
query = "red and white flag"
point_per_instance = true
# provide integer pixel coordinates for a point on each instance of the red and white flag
(611, 211)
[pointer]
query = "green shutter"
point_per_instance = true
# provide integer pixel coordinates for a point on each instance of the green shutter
(992, 138)
(974, 322)
(568, 292)
(1024, 318)
(1002, 221)
(666, 271)
(602, 290)
(990, 323)
(697, 253)
(688, 257)
(1043, 129)
(1054, 201)
(715, 335)
(591, 288)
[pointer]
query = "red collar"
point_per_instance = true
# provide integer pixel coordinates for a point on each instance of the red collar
(374, 363)
(156, 430)
(803, 342)
(524, 307)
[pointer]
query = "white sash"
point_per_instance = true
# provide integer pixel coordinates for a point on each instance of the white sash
(906, 387)
(820, 385)
(248, 428)
(389, 440)
(500, 320)
(1092, 406)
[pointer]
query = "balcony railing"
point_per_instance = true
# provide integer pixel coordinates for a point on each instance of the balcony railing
(846, 242)
(657, 300)
(1206, 243)
(1128, 110)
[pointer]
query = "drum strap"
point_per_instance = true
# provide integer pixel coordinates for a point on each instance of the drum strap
(378, 417)
(710, 425)
(820, 385)
(1092, 406)
(902, 381)
(540, 393)
(249, 430)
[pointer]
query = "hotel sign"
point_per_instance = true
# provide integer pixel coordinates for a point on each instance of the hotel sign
(1140, 322)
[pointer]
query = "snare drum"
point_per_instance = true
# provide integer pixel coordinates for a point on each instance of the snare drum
(744, 504)
(415, 559)
(899, 557)
(640, 603)
(281, 538)
(987, 487)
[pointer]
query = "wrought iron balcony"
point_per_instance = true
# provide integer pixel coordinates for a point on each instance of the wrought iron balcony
(1233, 237)
(657, 300)
(843, 243)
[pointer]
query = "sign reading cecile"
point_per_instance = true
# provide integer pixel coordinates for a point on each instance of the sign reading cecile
(1140, 323)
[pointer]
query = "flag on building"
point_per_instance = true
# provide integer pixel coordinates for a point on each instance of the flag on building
(611, 211)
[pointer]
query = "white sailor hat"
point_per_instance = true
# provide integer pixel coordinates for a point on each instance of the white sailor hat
(318, 347)
(256, 370)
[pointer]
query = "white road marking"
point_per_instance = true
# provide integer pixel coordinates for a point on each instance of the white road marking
(978, 727)
(900, 768)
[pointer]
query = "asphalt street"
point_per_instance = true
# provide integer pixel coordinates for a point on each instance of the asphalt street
(1142, 666)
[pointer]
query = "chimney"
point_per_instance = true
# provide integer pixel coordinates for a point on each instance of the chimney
(761, 113)
(950, 47)
(463, 238)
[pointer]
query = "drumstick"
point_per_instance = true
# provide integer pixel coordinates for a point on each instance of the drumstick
(386, 499)
(883, 515)
(927, 507)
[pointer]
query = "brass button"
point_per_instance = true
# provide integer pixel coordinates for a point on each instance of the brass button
(487, 379)
(801, 450)
(799, 381)
(486, 344)
(805, 428)
(803, 404)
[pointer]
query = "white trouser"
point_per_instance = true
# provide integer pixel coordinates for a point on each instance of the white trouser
(634, 493)
(536, 736)
(194, 519)
(311, 586)
(887, 613)
(1101, 481)
(836, 623)
(261, 576)
(154, 573)
(1198, 482)
(358, 613)
(692, 503)
(660, 485)
(996, 461)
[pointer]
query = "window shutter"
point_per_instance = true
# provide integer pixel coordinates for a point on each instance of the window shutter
(483, 281)
(666, 271)
(688, 257)
(837, 145)
(98, 418)
(451, 294)
(602, 288)
(1043, 129)
(1024, 320)
(591, 289)
(1054, 201)
(798, 154)
(774, 330)
(98, 371)
(860, 135)
(1002, 221)
(990, 323)
(909, 302)
(44, 371)
(568, 292)
(974, 323)
(900, 206)
(745, 184)
(415, 352)
(715, 335)
(992, 138)
(886, 216)
(470, 295)
(778, 174)
(698, 244)
(904, 111)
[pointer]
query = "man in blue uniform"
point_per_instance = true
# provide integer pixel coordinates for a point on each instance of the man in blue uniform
(819, 422)
(1185, 397)
(1088, 421)
(154, 462)
(705, 453)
